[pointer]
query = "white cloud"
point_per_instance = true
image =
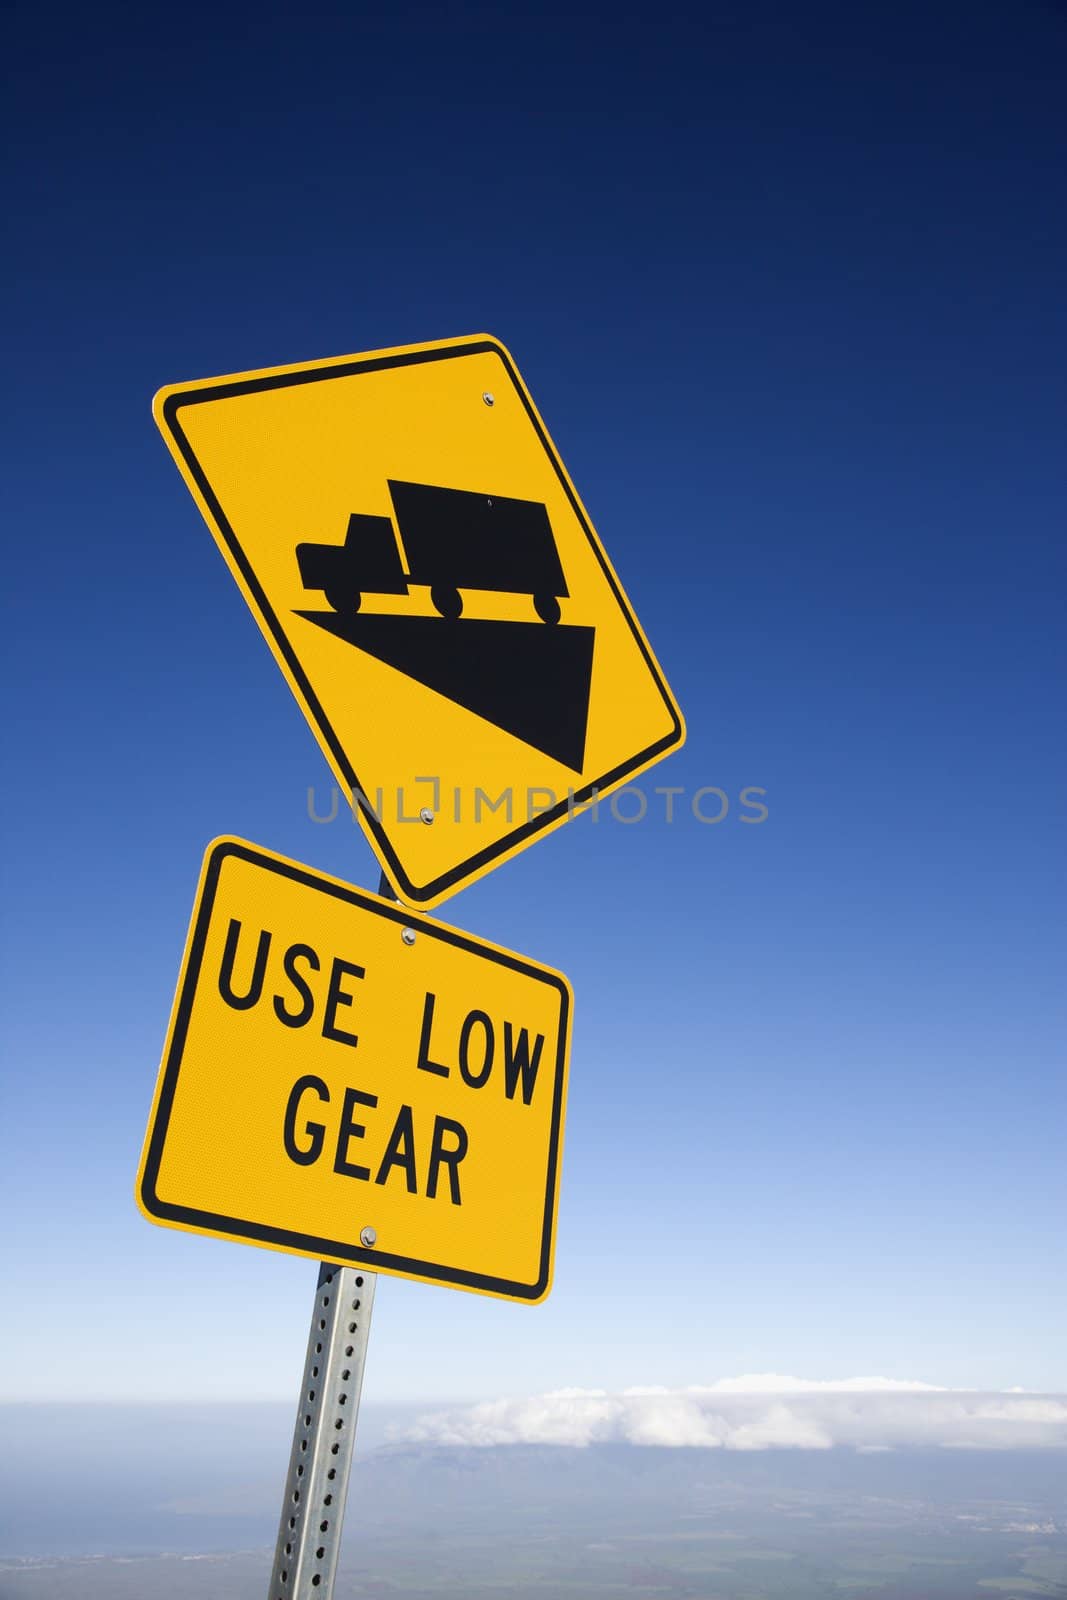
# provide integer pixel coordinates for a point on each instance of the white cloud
(775, 1383)
(763, 1411)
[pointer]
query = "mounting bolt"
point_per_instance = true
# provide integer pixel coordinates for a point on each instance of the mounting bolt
(425, 815)
(408, 935)
(368, 1237)
(488, 398)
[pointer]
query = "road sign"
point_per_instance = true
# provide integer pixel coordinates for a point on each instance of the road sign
(334, 1066)
(422, 568)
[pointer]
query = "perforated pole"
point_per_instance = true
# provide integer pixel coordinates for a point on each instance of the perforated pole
(316, 1487)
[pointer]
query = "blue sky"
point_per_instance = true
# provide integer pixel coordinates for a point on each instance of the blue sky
(787, 288)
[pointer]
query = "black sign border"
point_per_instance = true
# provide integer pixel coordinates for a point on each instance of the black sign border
(456, 876)
(285, 1239)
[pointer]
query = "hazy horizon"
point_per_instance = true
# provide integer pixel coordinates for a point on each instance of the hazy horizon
(182, 1502)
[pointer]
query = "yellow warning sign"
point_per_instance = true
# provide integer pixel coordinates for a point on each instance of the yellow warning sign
(343, 1085)
(422, 568)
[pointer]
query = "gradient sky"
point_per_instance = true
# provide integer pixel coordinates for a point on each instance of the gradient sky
(787, 286)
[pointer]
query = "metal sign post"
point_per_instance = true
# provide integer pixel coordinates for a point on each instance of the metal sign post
(316, 1486)
(324, 1436)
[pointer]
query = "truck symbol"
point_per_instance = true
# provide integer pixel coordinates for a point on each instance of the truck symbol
(451, 539)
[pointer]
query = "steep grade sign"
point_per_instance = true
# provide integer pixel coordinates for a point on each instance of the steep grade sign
(325, 1074)
(429, 583)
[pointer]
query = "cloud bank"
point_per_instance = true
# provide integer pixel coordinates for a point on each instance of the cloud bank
(762, 1412)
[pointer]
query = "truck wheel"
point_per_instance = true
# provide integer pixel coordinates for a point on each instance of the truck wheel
(343, 599)
(448, 602)
(547, 607)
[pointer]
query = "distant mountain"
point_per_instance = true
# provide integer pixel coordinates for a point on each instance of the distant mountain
(437, 1485)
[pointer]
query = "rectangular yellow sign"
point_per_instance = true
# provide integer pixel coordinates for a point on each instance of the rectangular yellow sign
(347, 1082)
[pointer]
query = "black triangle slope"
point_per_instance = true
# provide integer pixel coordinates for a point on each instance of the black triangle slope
(529, 678)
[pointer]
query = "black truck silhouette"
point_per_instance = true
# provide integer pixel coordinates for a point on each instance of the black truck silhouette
(451, 539)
